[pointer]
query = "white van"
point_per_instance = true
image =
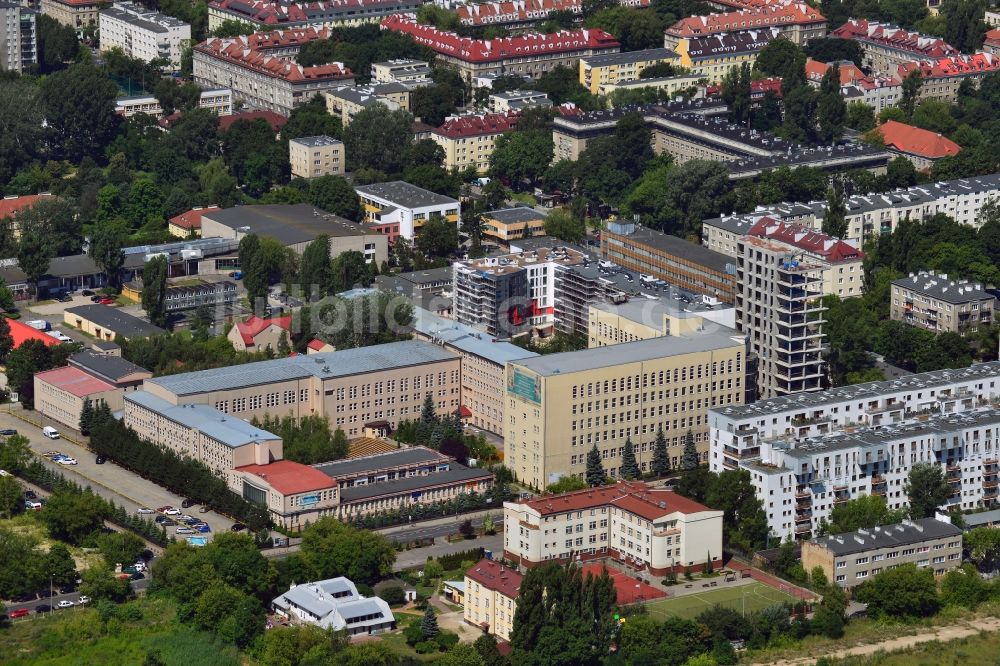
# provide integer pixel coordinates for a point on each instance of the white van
(50, 432)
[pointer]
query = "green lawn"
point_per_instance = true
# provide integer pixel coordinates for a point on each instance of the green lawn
(748, 598)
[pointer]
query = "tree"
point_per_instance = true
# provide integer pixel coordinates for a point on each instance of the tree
(689, 458)
(347, 271)
(331, 548)
(34, 253)
(775, 58)
(106, 242)
(910, 91)
(254, 157)
(828, 620)
(863, 512)
(567, 484)
(11, 496)
(154, 290)
(335, 195)
(377, 138)
(429, 624)
(659, 70)
(99, 582)
(86, 416)
(831, 109)
(835, 49)
(6, 340)
(595, 468)
(123, 548)
(736, 93)
(926, 489)
(902, 592)
(964, 587)
(561, 224)
(630, 468)
(522, 157)
(15, 453)
(661, 459)
(255, 273)
(72, 516)
(437, 237)
(800, 115)
(963, 21)
(835, 215)
(314, 269)
(80, 110)
(21, 118)
(744, 522)
(983, 546)
(59, 220)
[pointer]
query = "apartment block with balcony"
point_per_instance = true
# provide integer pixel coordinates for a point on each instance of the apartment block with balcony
(468, 141)
(18, 37)
(796, 21)
(398, 208)
(778, 308)
(286, 15)
(887, 46)
(144, 34)
(852, 558)
(939, 304)
(808, 452)
(77, 14)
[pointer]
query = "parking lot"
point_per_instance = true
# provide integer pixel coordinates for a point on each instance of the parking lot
(108, 479)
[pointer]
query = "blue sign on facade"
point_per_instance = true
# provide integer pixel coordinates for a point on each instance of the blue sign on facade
(528, 387)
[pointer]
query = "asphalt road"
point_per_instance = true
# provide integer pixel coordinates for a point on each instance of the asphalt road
(439, 530)
(137, 585)
(108, 480)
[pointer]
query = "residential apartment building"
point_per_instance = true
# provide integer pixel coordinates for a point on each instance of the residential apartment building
(579, 286)
(315, 156)
(512, 224)
(398, 208)
(200, 432)
(491, 590)
(886, 47)
(942, 77)
(346, 102)
(671, 259)
(402, 70)
(513, 13)
(144, 34)
(529, 54)
(851, 558)
(261, 69)
(516, 101)
(559, 406)
(468, 141)
(939, 304)
(670, 85)
(807, 453)
(349, 387)
(870, 214)
(484, 361)
(713, 56)
(652, 531)
(991, 43)
(287, 15)
(796, 21)
(878, 91)
(646, 318)
(613, 68)
(511, 294)
(778, 308)
(18, 37)
(219, 100)
(77, 14)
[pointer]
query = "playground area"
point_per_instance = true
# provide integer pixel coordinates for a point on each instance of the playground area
(629, 589)
(746, 598)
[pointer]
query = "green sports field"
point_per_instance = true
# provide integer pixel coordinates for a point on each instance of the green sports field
(744, 598)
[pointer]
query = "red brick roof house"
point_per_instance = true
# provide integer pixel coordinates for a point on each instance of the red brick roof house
(189, 222)
(256, 334)
(922, 147)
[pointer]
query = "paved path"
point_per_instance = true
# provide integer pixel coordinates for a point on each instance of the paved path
(947, 633)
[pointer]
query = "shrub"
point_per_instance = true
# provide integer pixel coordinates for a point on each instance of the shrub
(425, 647)
(446, 640)
(393, 595)
(413, 634)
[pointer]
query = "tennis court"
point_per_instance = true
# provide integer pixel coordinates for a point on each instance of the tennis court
(628, 589)
(747, 598)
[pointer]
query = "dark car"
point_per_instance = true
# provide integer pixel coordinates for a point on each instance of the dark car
(87, 292)
(238, 527)
(43, 608)
(66, 298)
(95, 298)
(100, 460)
(8, 432)
(188, 502)
(138, 575)
(160, 519)
(30, 494)
(168, 522)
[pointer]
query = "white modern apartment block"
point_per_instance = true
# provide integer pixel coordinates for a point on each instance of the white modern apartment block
(869, 214)
(809, 452)
(220, 101)
(144, 34)
(18, 37)
(404, 70)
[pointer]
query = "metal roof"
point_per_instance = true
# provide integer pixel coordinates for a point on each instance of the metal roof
(888, 536)
(113, 319)
(323, 366)
(352, 467)
(229, 430)
(465, 338)
(106, 366)
(404, 195)
(457, 474)
(289, 224)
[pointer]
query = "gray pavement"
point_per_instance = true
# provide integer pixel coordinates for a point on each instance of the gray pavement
(408, 559)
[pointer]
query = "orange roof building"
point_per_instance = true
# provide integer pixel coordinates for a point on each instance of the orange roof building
(920, 146)
(796, 21)
(256, 334)
(991, 44)
(189, 222)
(61, 392)
(21, 333)
(491, 590)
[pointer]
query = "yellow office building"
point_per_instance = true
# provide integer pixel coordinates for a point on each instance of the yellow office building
(611, 68)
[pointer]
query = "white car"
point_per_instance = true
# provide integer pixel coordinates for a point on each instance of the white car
(172, 511)
(83, 600)
(65, 603)
(65, 461)
(145, 509)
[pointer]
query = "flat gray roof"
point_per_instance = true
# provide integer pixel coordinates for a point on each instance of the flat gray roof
(629, 56)
(404, 195)
(340, 363)
(317, 141)
(942, 288)
(410, 484)
(113, 319)
(289, 224)
(887, 536)
(515, 214)
(222, 427)
(630, 352)
(466, 338)
(105, 366)
(678, 247)
(352, 467)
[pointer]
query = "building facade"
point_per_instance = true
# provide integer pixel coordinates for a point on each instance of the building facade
(491, 597)
(144, 34)
(936, 303)
(650, 531)
(77, 14)
(613, 68)
(398, 208)
(468, 141)
(315, 156)
(796, 21)
(285, 15)
(61, 392)
(559, 406)
(512, 224)
(220, 101)
(18, 37)
(942, 77)
(713, 56)
(807, 453)
(886, 47)
(848, 560)
(335, 604)
(295, 495)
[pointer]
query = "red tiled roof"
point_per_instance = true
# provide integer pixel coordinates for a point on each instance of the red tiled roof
(850, 74)
(290, 478)
(11, 206)
(275, 120)
(917, 141)
(633, 497)
(318, 345)
(505, 48)
(495, 576)
(815, 242)
(993, 37)
(897, 38)
(253, 326)
(514, 11)
(251, 52)
(75, 381)
(478, 125)
(21, 333)
(961, 65)
(793, 13)
(275, 13)
(192, 218)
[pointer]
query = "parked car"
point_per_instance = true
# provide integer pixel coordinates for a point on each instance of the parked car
(87, 292)
(144, 510)
(100, 460)
(66, 298)
(164, 509)
(49, 454)
(83, 600)
(18, 612)
(188, 503)
(65, 460)
(168, 522)
(30, 494)
(191, 521)
(138, 575)
(184, 530)
(95, 298)
(237, 527)
(129, 569)
(50, 432)
(203, 528)
(171, 511)
(8, 432)
(32, 505)
(107, 301)
(43, 608)
(65, 603)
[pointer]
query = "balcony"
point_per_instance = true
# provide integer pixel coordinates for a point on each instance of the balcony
(802, 492)
(990, 484)
(803, 529)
